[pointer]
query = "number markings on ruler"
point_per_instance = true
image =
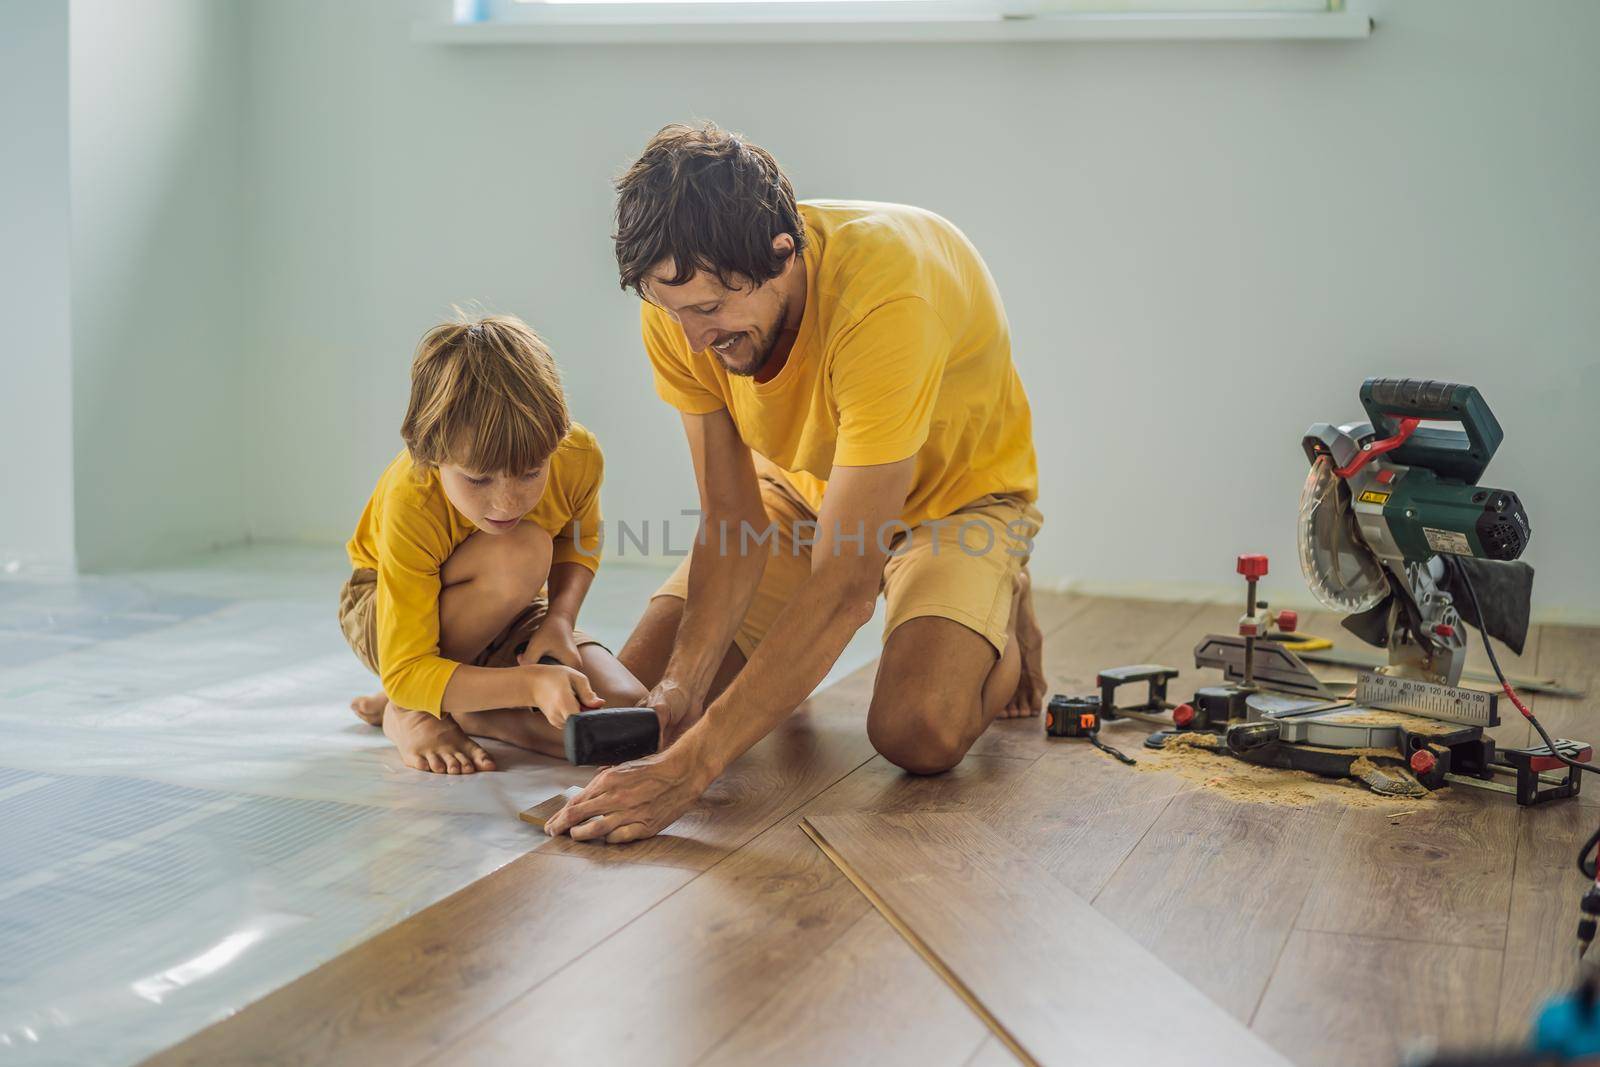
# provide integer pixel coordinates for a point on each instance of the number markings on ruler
(1429, 699)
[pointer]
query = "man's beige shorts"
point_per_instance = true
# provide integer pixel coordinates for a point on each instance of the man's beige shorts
(358, 618)
(965, 569)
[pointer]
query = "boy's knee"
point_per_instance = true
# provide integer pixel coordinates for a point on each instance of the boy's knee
(926, 740)
(625, 695)
(516, 562)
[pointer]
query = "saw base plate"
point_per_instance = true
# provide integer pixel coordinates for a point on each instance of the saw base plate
(1346, 724)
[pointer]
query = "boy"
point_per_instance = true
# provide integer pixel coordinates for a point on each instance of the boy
(495, 498)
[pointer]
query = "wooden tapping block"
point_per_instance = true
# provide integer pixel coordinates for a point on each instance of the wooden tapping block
(540, 813)
(1057, 982)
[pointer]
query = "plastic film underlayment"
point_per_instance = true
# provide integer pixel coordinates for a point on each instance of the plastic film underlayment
(192, 817)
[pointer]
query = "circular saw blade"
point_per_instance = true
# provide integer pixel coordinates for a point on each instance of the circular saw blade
(1341, 570)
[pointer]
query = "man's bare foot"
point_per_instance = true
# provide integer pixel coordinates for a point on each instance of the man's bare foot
(437, 744)
(370, 709)
(1029, 640)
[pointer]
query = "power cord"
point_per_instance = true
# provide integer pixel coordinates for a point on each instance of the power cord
(1587, 855)
(1527, 712)
(1108, 750)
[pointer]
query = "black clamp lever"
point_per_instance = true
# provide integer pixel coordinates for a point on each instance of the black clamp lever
(1155, 700)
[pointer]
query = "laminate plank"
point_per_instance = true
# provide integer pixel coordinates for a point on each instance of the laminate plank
(1338, 999)
(1078, 814)
(978, 785)
(1215, 887)
(671, 985)
(540, 813)
(1051, 974)
(411, 989)
(868, 998)
(1541, 944)
(1440, 875)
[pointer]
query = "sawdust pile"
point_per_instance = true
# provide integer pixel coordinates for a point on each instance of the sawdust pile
(1200, 758)
(1379, 717)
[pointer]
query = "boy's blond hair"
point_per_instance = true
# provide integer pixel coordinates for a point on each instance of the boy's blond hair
(485, 395)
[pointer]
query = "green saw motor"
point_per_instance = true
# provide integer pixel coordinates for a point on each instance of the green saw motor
(1413, 488)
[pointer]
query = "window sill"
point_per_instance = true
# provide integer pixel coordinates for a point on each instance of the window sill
(578, 26)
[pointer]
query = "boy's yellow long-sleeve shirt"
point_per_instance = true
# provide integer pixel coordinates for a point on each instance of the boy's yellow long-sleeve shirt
(409, 528)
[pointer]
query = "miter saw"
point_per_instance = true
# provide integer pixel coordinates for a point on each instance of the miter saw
(1396, 532)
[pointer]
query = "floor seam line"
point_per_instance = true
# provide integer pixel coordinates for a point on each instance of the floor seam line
(1134, 848)
(437, 1053)
(1283, 946)
(1187, 619)
(1400, 940)
(1082, 606)
(734, 1029)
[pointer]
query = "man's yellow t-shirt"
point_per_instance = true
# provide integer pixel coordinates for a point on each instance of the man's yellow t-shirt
(903, 350)
(408, 530)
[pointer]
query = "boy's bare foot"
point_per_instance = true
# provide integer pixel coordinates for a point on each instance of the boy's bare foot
(430, 743)
(523, 727)
(1029, 640)
(370, 709)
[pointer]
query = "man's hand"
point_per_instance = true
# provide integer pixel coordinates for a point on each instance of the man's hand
(559, 692)
(553, 638)
(676, 707)
(632, 801)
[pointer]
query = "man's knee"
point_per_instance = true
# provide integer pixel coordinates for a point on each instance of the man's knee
(920, 739)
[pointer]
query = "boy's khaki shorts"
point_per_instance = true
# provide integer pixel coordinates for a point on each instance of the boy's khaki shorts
(358, 618)
(965, 569)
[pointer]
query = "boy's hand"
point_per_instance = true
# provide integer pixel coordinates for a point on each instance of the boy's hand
(553, 638)
(559, 692)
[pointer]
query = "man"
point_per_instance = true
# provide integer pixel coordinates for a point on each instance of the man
(843, 371)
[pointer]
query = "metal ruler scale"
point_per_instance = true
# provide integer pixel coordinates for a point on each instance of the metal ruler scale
(1428, 699)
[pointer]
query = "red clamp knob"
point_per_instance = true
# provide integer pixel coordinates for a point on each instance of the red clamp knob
(1288, 620)
(1444, 629)
(1423, 761)
(1183, 715)
(1253, 566)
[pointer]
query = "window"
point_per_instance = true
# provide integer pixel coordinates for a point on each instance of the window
(733, 21)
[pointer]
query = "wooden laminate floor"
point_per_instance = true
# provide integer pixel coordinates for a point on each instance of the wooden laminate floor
(1340, 935)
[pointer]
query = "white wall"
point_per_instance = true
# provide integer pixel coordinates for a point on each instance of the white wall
(36, 522)
(160, 338)
(1203, 249)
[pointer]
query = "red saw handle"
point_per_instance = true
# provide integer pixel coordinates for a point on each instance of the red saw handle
(1403, 431)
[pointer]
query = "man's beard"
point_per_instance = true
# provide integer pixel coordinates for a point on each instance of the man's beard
(765, 342)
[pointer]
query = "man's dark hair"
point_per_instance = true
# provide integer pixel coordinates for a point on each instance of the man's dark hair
(710, 200)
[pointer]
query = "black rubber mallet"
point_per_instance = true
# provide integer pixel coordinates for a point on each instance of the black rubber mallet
(609, 735)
